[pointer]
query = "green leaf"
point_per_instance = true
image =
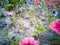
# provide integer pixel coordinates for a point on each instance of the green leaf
(13, 19)
(33, 33)
(19, 38)
(9, 6)
(21, 1)
(5, 32)
(21, 14)
(40, 28)
(13, 43)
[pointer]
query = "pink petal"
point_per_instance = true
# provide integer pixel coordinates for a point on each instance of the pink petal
(48, 4)
(55, 26)
(36, 1)
(9, 13)
(28, 40)
(25, 40)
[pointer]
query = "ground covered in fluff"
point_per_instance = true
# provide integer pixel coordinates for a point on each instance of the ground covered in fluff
(19, 20)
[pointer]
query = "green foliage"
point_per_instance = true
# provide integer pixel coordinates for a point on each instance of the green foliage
(9, 6)
(13, 19)
(14, 2)
(19, 38)
(51, 18)
(33, 33)
(3, 38)
(3, 3)
(58, 13)
(40, 28)
(44, 7)
(21, 14)
(28, 7)
(55, 40)
(0, 14)
(22, 1)
(13, 43)
(5, 32)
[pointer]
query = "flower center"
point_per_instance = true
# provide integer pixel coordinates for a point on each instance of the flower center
(59, 26)
(28, 44)
(53, 12)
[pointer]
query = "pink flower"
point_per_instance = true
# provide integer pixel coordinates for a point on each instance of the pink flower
(28, 41)
(9, 13)
(55, 26)
(36, 1)
(58, 3)
(48, 4)
(45, 1)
